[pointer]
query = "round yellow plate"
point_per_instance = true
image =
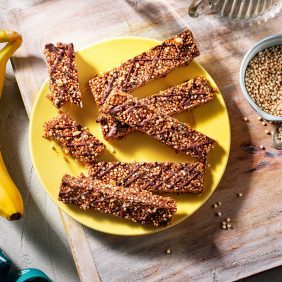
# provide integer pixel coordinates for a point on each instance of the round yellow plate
(211, 119)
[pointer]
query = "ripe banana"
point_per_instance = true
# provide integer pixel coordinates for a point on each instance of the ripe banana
(11, 203)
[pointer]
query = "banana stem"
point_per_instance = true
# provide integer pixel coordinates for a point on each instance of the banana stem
(14, 41)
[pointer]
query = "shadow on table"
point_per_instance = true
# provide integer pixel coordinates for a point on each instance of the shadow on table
(34, 226)
(196, 238)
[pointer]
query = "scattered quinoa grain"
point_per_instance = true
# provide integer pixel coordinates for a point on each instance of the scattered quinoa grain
(168, 251)
(245, 119)
(223, 226)
(229, 225)
(261, 147)
(264, 123)
(240, 195)
(259, 118)
(267, 132)
(228, 219)
(218, 214)
(214, 206)
(219, 203)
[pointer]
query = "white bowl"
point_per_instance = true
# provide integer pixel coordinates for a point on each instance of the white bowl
(259, 46)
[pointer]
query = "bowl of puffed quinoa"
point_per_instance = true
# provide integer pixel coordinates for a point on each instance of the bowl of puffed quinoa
(261, 77)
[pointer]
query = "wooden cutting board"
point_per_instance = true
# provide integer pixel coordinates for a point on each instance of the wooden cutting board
(200, 249)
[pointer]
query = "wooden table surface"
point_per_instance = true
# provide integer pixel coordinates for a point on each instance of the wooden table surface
(200, 250)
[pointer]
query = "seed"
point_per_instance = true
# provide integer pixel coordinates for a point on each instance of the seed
(113, 150)
(57, 102)
(245, 119)
(76, 133)
(59, 82)
(259, 118)
(228, 219)
(168, 251)
(264, 123)
(53, 147)
(223, 226)
(229, 225)
(178, 40)
(218, 214)
(214, 206)
(219, 203)
(261, 147)
(267, 132)
(240, 195)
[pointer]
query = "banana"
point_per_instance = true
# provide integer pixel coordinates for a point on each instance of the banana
(11, 203)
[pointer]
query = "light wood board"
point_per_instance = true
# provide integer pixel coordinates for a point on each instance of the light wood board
(200, 250)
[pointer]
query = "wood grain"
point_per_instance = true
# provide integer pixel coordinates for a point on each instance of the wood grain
(38, 239)
(200, 250)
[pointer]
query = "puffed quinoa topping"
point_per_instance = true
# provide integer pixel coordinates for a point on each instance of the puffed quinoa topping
(171, 101)
(74, 139)
(179, 136)
(132, 203)
(152, 64)
(64, 85)
(157, 177)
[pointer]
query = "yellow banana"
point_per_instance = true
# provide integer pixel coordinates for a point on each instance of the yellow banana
(11, 203)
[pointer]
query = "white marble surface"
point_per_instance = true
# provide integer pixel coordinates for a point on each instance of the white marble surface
(38, 240)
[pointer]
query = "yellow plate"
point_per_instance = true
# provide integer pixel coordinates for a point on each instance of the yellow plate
(211, 119)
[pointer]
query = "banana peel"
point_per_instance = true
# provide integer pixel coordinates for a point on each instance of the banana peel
(11, 203)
